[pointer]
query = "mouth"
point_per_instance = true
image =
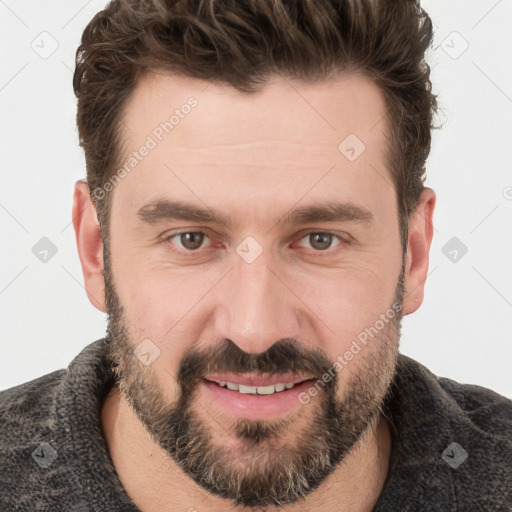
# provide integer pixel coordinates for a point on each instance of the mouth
(255, 397)
(256, 390)
(252, 385)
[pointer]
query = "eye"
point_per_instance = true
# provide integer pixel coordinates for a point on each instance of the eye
(321, 241)
(189, 240)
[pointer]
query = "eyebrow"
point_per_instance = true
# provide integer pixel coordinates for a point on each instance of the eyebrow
(329, 211)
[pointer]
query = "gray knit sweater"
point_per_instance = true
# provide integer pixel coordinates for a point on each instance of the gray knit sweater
(53, 456)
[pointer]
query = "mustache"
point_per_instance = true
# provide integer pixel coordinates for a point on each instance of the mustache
(286, 355)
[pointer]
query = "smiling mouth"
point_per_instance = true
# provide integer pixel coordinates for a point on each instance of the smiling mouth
(250, 396)
(246, 389)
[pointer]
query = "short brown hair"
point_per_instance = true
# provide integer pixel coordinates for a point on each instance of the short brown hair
(243, 43)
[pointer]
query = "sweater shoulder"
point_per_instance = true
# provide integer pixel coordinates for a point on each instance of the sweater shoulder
(485, 410)
(26, 412)
(30, 396)
(488, 411)
(454, 443)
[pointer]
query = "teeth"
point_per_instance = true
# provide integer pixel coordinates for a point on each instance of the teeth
(266, 390)
(247, 390)
(256, 390)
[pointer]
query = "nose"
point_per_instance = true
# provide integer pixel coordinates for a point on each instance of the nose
(257, 308)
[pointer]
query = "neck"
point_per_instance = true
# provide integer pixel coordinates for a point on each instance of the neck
(155, 483)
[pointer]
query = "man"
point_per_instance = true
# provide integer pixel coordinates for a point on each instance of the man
(255, 224)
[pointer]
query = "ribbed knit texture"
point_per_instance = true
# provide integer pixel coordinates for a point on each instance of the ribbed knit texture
(59, 414)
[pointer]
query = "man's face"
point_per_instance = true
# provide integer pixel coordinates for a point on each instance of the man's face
(266, 301)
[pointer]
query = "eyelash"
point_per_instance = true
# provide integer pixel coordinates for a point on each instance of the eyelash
(341, 240)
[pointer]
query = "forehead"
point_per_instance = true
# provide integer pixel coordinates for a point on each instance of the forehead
(325, 109)
(209, 140)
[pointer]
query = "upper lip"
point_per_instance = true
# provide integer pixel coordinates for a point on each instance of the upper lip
(248, 379)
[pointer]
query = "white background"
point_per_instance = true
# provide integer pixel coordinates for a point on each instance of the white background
(463, 329)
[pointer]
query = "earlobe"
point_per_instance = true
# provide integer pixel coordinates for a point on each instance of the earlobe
(421, 231)
(90, 244)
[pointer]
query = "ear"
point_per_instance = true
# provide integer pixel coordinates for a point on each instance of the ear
(90, 244)
(421, 230)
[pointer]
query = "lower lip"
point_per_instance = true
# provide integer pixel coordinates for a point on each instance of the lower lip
(254, 407)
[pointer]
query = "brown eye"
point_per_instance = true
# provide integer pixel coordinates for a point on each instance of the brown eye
(186, 241)
(192, 240)
(320, 241)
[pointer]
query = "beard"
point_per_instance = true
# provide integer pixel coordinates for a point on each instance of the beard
(273, 462)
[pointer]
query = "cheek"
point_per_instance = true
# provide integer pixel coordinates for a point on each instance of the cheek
(148, 319)
(360, 311)
(348, 301)
(166, 306)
